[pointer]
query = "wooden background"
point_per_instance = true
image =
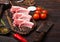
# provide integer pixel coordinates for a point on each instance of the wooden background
(53, 7)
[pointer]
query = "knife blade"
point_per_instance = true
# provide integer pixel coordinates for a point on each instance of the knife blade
(44, 27)
(42, 30)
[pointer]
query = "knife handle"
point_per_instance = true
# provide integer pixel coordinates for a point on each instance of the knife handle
(42, 34)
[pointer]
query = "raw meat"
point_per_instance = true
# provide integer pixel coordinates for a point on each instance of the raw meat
(18, 22)
(17, 9)
(28, 24)
(21, 22)
(21, 16)
(14, 9)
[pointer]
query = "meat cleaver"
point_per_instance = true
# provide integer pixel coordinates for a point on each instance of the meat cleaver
(42, 30)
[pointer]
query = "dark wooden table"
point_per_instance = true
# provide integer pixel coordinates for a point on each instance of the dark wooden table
(53, 7)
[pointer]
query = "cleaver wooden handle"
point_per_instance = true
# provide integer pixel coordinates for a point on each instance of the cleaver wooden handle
(41, 36)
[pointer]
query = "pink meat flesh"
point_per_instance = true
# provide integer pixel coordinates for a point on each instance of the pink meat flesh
(23, 10)
(17, 9)
(28, 24)
(21, 16)
(21, 22)
(14, 9)
(18, 22)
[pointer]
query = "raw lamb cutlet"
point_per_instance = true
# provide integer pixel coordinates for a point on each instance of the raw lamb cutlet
(14, 9)
(28, 24)
(18, 22)
(24, 11)
(17, 9)
(21, 22)
(21, 16)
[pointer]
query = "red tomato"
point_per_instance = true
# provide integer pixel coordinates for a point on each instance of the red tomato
(43, 16)
(37, 12)
(44, 11)
(40, 16)
(36, 16)
(38, 8)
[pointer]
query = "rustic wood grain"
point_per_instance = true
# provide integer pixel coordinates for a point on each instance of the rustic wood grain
(53, 7)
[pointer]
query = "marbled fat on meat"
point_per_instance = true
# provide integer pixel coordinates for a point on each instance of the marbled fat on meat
(18, 22)
(28, 24)
(21, 22)
(21, 16)
(17, 9)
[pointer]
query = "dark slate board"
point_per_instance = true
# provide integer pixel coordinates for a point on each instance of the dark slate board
(53, 7)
